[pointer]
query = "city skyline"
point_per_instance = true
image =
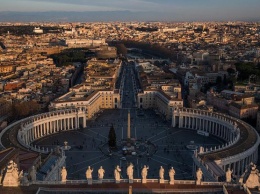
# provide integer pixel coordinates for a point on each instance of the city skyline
(146, 10)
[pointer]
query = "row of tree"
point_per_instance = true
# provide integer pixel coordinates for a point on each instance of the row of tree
(246, 70)
(21, 109)
(68, 56)
(153, 49)
(27, 30)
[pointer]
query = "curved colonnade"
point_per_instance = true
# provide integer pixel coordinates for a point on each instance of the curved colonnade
(240, 149)
(50, 123)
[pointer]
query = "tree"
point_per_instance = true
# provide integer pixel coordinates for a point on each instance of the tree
(24, 109)
(231, 71)
(219, 80)
(225, 80)
(121, 49)
(112, 137)
(247, 69)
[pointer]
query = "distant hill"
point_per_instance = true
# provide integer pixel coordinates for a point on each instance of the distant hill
(92, 16)
(104, 16)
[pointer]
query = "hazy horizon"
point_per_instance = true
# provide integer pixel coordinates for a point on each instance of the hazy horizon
(140, 10)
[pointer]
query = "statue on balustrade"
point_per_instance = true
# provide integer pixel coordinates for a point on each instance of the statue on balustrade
(161, 173)
(253, 178)
(228, 175)
(12, 175)
(130, 171)
(117, 174)
(33, 174)
(171, 175)
(63, 174)
(101, 172)
(24, 180)
(144, 172)
(199, 176)
(89, 173)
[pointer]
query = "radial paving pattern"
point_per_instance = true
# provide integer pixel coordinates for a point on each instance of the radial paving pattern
(170, 145)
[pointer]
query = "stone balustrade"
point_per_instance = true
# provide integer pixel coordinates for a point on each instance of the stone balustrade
(181, 182)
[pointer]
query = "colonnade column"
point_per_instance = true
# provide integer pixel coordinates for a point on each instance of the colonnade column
(30, 135)
(35, 132)
(48, 127)
(68, 123)
(173, 121)
(44, 129)
(238, 167)
(31, 131)
(65, 124)
(39, 131)
(77, 122)
(56, 126)
(61, 125)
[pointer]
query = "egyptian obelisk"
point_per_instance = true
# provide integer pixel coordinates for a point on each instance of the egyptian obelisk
(128, 126)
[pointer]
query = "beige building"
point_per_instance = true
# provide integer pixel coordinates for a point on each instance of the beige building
(218, 101)
(91, 101)
(158, 100)
(242, 111)
(6, 68)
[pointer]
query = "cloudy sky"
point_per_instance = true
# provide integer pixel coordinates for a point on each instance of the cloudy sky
(180, 9)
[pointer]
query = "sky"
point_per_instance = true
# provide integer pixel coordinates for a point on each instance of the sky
(179, 9)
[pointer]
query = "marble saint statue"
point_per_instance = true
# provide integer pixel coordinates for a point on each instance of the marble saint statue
(161, 173)
(101, 172)
(89, 173)
(144, 172)
(11, 177)
(199, 176)
(228, 175)
(171, 175)
(117, 172)
(130, 171)
(33, 174)
(63, 174)
(253, 178)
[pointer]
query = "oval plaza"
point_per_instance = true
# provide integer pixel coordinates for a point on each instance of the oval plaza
(237, 153)
(214, 164)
